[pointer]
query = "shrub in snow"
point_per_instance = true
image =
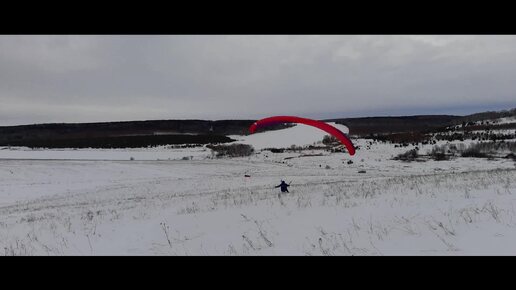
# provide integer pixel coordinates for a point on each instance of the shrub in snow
(233, 150)
(439, 156)
(329, 140)
(438, 153)
(339, 149)
(295, 148)
(499, 147)
(486, 149)
(410, 155)
(474, 152)
(275, 150)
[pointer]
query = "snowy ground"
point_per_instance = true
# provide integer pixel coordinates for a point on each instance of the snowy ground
(157, 153)
(99, 202)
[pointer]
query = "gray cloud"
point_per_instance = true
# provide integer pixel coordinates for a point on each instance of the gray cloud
(103, 78)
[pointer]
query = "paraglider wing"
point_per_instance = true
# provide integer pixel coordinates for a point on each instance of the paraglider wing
(318, 124)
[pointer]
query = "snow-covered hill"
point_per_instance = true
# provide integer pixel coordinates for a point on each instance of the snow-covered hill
(110, 205)
(299, 135)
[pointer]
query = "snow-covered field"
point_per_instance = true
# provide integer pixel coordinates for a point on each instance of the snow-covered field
(99, 202)
(157, 153)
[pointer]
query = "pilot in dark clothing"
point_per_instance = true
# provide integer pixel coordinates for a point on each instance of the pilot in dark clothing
(283, 186)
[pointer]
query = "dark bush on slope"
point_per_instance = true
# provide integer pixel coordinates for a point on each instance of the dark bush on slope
(232, 150)
(410, 155)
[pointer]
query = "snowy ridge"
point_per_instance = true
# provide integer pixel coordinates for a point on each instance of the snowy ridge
(299, 135)
(506, 120)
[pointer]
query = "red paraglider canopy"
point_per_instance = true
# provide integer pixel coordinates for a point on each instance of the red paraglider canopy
(318, 124)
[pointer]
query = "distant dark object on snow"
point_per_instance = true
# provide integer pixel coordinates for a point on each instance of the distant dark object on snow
(350, 162)
(247, 175)
(362, 171)
(511, 156)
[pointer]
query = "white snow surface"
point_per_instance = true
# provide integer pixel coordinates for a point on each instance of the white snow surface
(156, 153)
(98, 202)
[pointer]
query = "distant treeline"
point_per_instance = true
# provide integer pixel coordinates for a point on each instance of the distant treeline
(422, 124)
(388, 125)
(114, 129)
(487, 116)
(130, 134)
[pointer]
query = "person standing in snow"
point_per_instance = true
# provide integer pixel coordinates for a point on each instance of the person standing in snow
(283, 186)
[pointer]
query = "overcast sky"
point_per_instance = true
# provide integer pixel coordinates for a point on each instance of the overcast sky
(112, 78)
